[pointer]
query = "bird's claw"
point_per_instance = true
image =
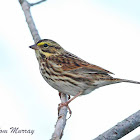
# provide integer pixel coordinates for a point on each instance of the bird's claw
(66, 105)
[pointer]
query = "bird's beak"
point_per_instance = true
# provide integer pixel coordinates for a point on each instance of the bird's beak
(35, 47)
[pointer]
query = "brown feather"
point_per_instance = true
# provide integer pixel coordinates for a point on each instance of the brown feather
(70, 62)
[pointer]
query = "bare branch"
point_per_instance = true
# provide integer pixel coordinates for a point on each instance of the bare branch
(26, 9)
(32, 4)
(61, 122)
(122, 128)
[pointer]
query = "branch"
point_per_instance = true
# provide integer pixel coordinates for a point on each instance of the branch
(26, 9)
(122, 128)
(61, 122)
(32, 4)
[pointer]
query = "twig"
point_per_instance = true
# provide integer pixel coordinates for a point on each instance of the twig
(61, 122)
(32, 4)
(122, 128)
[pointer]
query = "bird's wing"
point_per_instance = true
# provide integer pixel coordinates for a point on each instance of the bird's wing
(70, 62)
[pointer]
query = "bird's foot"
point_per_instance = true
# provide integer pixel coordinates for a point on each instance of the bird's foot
(65, 104)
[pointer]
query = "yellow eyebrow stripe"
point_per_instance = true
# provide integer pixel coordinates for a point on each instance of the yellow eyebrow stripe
(42, 43)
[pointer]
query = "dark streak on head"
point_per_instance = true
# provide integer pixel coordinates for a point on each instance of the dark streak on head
(47, 50)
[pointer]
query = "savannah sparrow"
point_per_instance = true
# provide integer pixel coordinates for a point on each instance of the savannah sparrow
(68, 73)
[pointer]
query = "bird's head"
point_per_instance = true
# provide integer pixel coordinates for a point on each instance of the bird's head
(47, 47)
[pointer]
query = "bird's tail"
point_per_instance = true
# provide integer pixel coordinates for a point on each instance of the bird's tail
(125, 80)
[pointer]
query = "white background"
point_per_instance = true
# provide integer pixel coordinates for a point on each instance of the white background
(105, 33)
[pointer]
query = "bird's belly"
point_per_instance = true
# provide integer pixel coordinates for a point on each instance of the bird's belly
(66, 87)
(88, 90)
(63, 86)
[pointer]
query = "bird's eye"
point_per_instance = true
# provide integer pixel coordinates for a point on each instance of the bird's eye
(45, 45)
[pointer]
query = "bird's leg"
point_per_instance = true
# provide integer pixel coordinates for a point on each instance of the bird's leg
(66, 103)
(74, 97)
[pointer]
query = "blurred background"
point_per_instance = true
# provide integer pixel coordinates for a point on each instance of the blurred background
(105, 33)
